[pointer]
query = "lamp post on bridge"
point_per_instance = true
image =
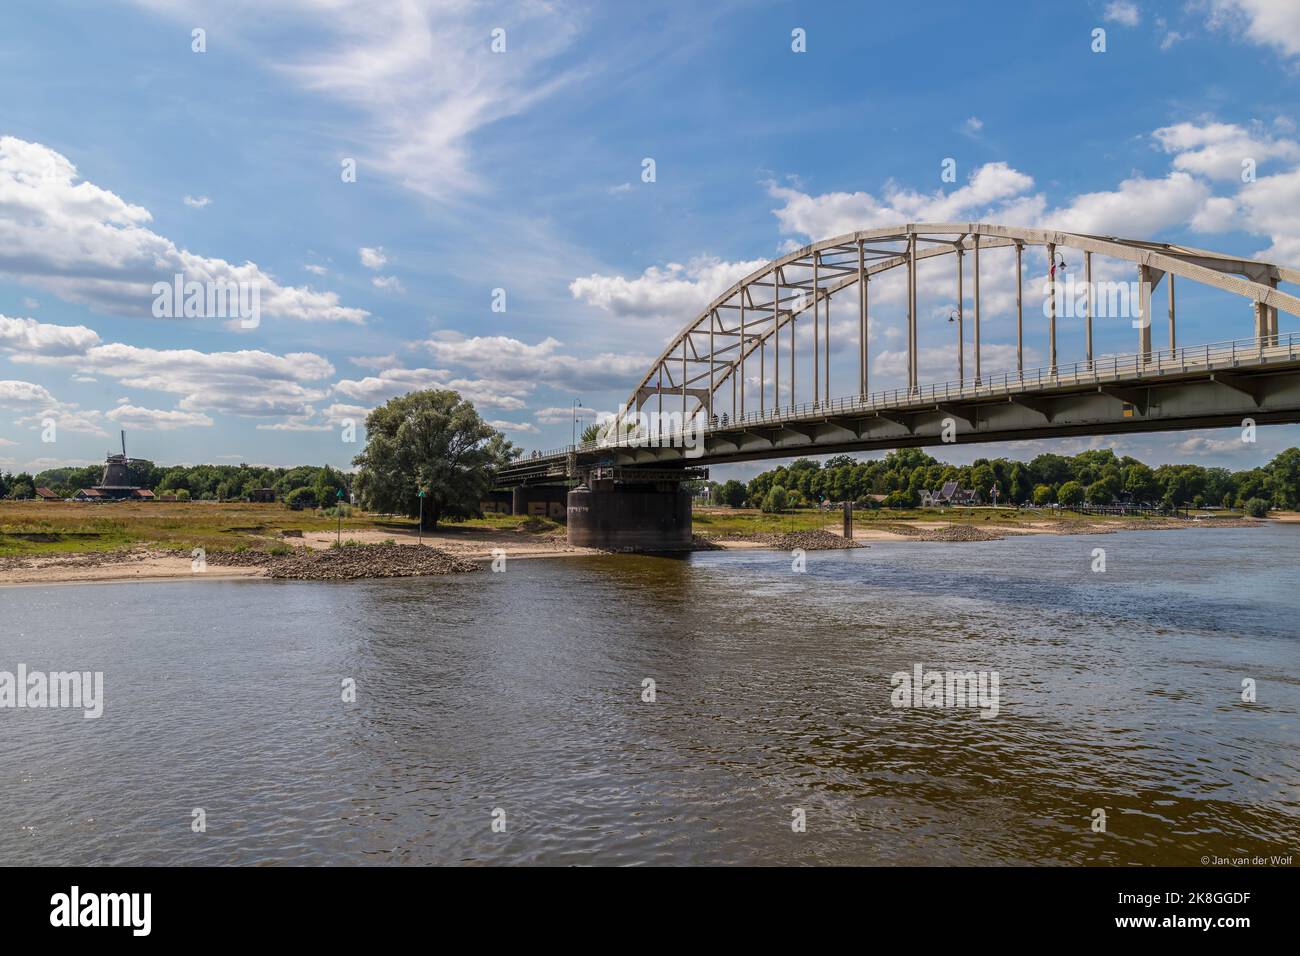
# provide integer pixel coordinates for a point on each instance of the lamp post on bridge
(573, 434)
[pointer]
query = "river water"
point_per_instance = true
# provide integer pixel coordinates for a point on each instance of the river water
(521, 693)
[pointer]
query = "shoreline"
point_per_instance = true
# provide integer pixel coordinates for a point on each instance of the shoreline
(155, 565)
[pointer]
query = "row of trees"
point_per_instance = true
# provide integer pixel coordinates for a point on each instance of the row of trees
(1095, 477)
(427, 452)
(304, 485)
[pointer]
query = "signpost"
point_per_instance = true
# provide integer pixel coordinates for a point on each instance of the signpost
(339, 508)
(419, 534)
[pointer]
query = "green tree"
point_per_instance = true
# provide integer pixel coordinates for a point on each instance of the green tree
(902, 499)
(22, 486)
(734, 494)
(1284, 477)
(1140, 482)
(776, 500)
(1100, 492)
(1043, 495)
(299, 498)
(432, 440)
(1070, 494)
(1256, 507)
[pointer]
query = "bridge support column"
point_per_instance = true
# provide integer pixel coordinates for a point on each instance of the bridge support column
(621, 516)
(1146, 284)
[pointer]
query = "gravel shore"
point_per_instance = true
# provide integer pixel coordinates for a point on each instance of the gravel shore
(789, 541)
(347, 564)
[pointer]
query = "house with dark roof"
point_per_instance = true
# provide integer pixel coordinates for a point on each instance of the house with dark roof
(46, 495)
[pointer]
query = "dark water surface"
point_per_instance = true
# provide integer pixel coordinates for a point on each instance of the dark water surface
(522, 691)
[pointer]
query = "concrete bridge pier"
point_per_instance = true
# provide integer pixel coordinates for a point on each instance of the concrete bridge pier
(630, 515)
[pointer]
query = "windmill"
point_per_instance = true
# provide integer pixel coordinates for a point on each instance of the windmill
(119, 479)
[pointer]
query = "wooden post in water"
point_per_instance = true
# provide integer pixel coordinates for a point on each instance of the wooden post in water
(848, 520)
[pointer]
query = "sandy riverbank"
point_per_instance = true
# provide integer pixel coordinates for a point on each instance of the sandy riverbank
(481, 545)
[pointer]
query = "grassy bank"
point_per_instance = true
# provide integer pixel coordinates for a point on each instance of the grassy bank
(35, 528)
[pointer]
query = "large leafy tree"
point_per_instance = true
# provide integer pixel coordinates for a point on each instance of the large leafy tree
(432, 440)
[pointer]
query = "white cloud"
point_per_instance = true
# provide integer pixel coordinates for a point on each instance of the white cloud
(1122, 12)
(388, 284)
(503, 426)
(556, 415)
(674, 294)
(316, 270)
(43, 338)
(1270, 205)
(1139, 208)
(1199, 444)
(1274, 23)
(249, 382)
(379, 362)
(391, 382)
(833, 214)
(541, 363)
(373, 258)
(16, 394)
(133, 416)
(1218, 150)
(196, 202)
(87, 245)
(419, 77)
(974, 124)
(39, 406)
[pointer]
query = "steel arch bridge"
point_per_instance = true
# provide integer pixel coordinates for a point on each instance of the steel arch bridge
(752, 327)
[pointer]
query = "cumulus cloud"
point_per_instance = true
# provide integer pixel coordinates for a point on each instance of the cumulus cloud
(44, 338)
(88, 245)
(1122, 12)
(391, 382)
(1138, 208)
(542, 363)
(37, 406)
(675, 293)
(503, 426)
(832, 214)
(157, 419)
(555, 415)
(196, 202)
(373, 258)
(1273, 23)
(249, 382)
(1218, 150)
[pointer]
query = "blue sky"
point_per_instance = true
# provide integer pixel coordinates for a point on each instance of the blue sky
(128, 157)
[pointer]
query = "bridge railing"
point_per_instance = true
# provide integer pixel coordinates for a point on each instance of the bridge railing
(1105, 368)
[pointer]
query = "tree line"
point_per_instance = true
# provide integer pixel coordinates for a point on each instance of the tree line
(428, 453)
(301, 486)
(1097, 477)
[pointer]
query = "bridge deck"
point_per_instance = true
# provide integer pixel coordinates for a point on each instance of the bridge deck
(1244, 377)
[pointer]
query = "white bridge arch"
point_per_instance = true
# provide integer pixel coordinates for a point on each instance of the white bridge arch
(758, 315)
